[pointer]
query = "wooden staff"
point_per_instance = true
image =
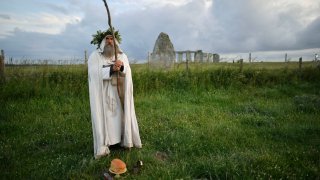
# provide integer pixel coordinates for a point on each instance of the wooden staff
(115, 49)
(109, 23)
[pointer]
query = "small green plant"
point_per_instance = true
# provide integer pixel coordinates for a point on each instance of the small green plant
(307, 103)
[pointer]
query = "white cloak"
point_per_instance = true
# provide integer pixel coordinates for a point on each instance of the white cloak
(111, 124)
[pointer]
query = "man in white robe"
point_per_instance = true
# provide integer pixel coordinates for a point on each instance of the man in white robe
(112, 122)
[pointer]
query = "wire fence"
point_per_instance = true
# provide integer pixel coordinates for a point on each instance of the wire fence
(12, 61)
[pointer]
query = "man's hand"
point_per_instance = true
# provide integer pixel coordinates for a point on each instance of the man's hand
(117, 65)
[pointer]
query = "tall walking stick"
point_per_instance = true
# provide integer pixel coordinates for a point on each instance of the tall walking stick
(115, 49)
(111, 28)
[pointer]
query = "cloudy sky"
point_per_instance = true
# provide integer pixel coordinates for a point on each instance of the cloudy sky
(62, 29)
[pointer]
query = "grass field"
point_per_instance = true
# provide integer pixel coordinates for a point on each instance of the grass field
(213, 122)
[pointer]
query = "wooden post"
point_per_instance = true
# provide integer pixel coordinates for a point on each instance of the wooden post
(187, 64)
(317, 60)
(249, 57)
(241, 65)
(300, 63)
(286, 58)
(2, 64)
(148, 65)
(85, 57)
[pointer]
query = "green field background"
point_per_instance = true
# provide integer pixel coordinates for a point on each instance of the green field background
(210, 121)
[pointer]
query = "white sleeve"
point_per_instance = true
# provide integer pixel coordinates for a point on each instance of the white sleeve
(125, 61)
(106, 72)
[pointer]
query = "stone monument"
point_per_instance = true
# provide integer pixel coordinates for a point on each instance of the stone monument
(163, 55)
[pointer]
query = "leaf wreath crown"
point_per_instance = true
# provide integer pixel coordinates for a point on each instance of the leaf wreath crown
(98, 37)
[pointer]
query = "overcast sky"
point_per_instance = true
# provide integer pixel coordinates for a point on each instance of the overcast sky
(61, 29)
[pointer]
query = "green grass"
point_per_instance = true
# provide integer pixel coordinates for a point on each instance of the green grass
(213, 122)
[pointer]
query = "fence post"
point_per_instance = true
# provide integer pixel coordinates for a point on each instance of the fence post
(2, 65)
(241, 64)
(148, 64)
(85, 57)
(187, 64)
(300, 63)
(286, 58)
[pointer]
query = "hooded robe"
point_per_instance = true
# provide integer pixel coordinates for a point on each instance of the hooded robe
(111, 124)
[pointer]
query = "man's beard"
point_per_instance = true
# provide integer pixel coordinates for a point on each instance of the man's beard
(108, 50)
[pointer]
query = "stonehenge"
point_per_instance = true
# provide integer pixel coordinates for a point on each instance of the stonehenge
(165, 56)
(198, 56)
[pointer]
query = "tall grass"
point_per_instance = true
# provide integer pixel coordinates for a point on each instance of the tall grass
(211, 122)
(204, 77)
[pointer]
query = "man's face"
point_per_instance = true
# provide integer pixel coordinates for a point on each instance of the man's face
(109, 41)
(108, 48)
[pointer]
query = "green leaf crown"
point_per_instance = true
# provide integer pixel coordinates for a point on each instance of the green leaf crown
(98, 37)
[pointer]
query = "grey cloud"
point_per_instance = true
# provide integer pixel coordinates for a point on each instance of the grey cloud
(142, 28)
(310, 36)
(70, 43)
(225, 27)
(67, 8)
(5, 16)
(57, 8)
(251, 27)
(27, 44)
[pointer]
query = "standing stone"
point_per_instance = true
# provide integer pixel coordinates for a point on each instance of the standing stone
(163, 55)
(216, 58)
(180, 54)
(205, 57)
(188, 56)
(210, 57)
(198, 56)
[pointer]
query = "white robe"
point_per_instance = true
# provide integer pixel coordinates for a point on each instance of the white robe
(111, 124)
